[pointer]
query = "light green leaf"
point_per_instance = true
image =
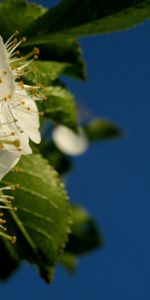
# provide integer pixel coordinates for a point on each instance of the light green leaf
(42, 221)
(84, 236)
(60, 106)
(17, 15)
(45, 72)
(69, 262)
(80, 18)
(100, 129)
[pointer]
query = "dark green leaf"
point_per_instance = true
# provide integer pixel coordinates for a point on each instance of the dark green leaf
(75, 18)
(100, 129)
(60, 106)
(63, 50)
(42, 221)
(17, 15)
(61, 162)
(85, 236)
(9, 261)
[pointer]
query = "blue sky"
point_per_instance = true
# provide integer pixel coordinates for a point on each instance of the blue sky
(112, 180)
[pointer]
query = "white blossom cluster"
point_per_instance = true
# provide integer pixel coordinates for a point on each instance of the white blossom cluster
(19, 118)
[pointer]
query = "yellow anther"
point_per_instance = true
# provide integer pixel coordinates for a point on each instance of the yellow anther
(41, 113)
(21, 84)
(36, 51)
(13, 239)
(24, 39)
(4, 72)
(41, 85)
(2, 221)
(18, 52)
(17, 186)
(14, 208)
(13, 133)
(17, 143)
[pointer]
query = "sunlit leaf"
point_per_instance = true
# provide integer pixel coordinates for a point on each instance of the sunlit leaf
(69, 262)
(42, 221)
(80, 18)
(45, 72)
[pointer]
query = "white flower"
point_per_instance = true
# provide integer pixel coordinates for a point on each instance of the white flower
(68, 141)
(19, 117)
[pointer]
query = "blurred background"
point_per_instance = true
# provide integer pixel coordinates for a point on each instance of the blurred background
(112, 180)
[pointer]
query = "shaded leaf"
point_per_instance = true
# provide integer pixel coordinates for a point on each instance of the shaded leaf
(61, 162)
(60, 106)
(100, 129)
(17, 15)
(60, 49)
(85, 236)
(9, 261)
(75, 18)
(42, 221)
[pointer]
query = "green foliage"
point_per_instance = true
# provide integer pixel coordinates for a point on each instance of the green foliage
(100, 129)
(16, 15)
(69, 262)
(75, 18)
(45, 72)
(42, 222)
(84, 238)
(60, 106)
(60, 49)
(84, 235)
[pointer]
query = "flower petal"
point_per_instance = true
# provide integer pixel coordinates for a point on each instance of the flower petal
(7, 81)
(27, 114)
(7, 161)
(70, 142)
(9, 127)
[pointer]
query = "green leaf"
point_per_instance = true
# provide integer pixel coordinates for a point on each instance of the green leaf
(17, 15)
(84, 236)
(61, 162)
(45, 72)
(76, 19)
(62, 50)
(69, 262)
(100, 129)
(60, 106)
(42, 222)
